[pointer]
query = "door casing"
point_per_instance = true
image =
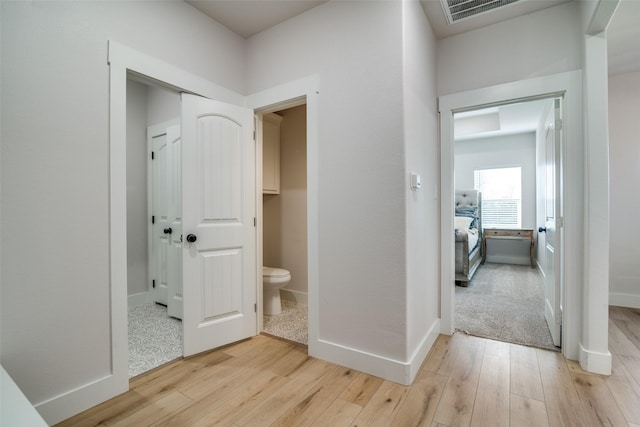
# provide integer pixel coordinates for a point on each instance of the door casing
(124, 61)
(567, 84)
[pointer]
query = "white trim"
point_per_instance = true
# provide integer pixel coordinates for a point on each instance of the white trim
(597, 363)
(175, 77)
(508, 259)
(570, 84)
(296, 296)
(388, 369)
(141, 298)
(74, 401)
(620, 299)
(305, 90)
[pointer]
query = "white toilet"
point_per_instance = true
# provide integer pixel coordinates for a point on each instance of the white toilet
(273, 279)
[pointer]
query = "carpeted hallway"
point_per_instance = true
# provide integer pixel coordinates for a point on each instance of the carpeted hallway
(504, 302)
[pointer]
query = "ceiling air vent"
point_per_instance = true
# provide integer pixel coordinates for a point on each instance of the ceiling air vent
(456, 10)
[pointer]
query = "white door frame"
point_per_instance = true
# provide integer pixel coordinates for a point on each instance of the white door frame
(123, 60)
(298, 92)
(568, 83)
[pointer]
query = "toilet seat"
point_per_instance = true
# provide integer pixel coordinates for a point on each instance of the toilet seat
(274, 272)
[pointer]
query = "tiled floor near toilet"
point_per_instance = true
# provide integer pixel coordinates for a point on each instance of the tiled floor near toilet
(155, 338)
(291, 324)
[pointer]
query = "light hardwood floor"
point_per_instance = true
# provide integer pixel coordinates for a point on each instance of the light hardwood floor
(465, 381)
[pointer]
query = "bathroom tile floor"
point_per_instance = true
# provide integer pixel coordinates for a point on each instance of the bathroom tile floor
(154, 338)
(291, 324)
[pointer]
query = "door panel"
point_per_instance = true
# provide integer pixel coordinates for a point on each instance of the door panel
(218, 196)
(161, 212)
(553, 213)
(174, 253)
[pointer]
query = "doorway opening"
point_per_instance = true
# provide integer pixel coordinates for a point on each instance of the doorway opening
(284, 223)
(567, 85)
(505, 191)
(154, 305)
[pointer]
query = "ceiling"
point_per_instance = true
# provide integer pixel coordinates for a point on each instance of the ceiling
(249, 17)
(503, 120)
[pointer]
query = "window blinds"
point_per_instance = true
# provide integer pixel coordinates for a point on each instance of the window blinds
(501, 196)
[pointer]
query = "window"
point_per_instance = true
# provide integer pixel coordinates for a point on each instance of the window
(501, 196)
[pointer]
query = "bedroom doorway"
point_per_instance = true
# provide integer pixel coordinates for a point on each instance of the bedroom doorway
(505, 155)
(568, 178)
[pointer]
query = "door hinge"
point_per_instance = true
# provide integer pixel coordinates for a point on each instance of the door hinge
(255, 308)
(153, 219)
(254, 135)
(560, 222)
(153, 283)
(255, 222)
(152, 156)
(559, 124)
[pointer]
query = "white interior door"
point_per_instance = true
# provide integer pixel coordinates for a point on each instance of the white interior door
(218, 206)
(160, 208)
(553, 222)
(174, 250)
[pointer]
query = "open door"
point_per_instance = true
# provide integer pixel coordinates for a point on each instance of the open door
(160, 209)
(218, 213)
(174, 251)
(552, 225)
(165, 207)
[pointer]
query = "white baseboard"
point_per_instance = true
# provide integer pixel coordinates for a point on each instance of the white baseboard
(73, 402)
(298, 297)
(507, 259)
(624, 300)
(141, 298)
(415, 362)
(595, 362)
(372, 364)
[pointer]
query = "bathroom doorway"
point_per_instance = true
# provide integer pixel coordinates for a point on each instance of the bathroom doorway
(153, 256)
(284, 217)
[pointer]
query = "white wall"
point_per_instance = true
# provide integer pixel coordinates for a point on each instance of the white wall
(624, 146)
(162, 105)
(538, 44)
(422, 157)
(285, 214)
(355, 49)
(137, 243)
(497, 152)
(55, 172)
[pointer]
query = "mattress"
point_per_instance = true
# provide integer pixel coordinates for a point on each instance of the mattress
(461, 235)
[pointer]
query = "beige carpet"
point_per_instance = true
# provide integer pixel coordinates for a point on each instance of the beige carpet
(506, 303)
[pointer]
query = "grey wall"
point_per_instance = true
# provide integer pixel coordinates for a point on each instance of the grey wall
(355, 48)
(55, 172)
(496, 152)
(624, 111)
(137, 243)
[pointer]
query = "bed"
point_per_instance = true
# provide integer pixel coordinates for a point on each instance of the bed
(468, 234)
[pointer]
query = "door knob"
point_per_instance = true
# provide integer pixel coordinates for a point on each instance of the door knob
(191, 238)
(542, 229)
(167, 230)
